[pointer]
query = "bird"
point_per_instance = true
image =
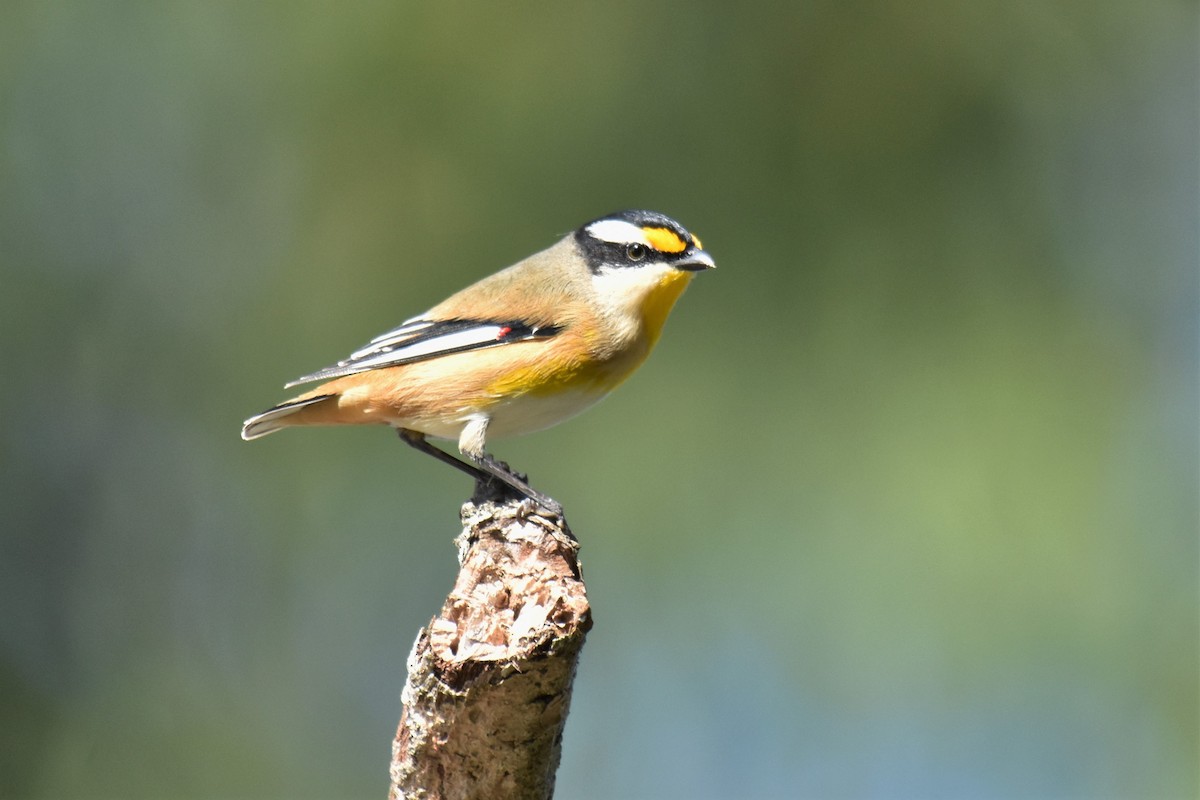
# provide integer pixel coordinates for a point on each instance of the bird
(516, 352)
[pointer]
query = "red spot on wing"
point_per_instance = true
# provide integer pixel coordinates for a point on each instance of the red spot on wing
(504, 331)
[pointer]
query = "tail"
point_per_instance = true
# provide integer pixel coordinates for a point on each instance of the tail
(275, 419)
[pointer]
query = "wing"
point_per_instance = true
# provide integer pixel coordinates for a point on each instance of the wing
(422, 339)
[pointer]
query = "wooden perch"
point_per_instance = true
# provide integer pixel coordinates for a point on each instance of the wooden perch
(489, 679)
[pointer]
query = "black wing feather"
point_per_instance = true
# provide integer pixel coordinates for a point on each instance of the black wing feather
(422, 339)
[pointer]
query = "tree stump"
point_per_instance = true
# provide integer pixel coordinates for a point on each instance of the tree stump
(489, 679)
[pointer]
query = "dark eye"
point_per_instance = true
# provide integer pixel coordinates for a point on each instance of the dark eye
(636, 252)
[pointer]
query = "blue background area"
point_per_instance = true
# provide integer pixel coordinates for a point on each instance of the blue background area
(904, 504)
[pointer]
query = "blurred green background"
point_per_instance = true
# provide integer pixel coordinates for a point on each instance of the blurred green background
(904, 505)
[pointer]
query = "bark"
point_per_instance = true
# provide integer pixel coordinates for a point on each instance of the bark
(489, 679)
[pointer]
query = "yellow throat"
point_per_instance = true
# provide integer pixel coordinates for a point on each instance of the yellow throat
(659, 302)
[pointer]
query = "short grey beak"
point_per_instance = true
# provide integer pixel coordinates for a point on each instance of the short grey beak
(696, 260)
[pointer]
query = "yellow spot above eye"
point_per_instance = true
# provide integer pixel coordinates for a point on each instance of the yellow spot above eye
(664, 240)
(696, 241)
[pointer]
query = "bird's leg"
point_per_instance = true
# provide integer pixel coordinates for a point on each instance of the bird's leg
(485, 470)
(500, 470)
(417, 439)
(471, 443)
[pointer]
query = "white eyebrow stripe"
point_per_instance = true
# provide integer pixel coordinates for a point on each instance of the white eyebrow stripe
(618, 231)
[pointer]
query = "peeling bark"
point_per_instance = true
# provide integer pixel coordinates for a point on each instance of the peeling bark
(489, 679)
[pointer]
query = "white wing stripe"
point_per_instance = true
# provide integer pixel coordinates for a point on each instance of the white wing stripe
(438, 344)
(407, 329)
(392, 337)
(419, 340)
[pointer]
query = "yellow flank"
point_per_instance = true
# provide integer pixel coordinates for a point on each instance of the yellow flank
(549, 377)
(664, 240)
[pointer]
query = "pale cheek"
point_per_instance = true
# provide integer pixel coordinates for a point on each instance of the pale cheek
(624, 290)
